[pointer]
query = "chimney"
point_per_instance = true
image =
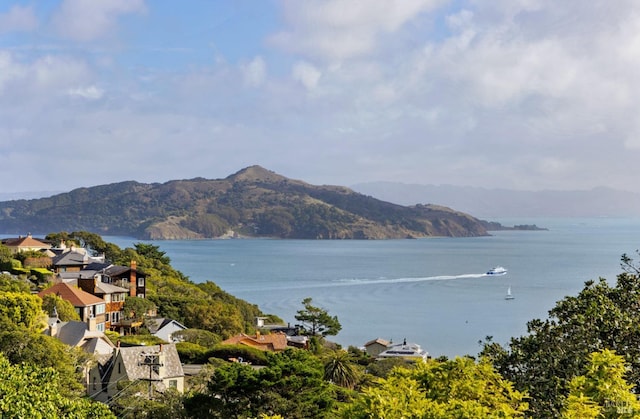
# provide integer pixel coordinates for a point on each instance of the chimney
(133, 281)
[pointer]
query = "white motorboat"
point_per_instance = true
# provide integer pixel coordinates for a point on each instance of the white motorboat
(498, 270)
(404, 350)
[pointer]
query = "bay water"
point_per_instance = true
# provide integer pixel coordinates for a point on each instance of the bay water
(433, 291)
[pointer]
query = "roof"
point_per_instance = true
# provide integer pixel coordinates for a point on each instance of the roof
(104, 288)
(270, 342)
(156, 324)
(70, 258)
(74, 295)
(379, 341)
(26, 241)
(75, 333)
(132, 356)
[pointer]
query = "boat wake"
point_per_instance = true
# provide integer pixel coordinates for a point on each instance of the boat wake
(364, 281)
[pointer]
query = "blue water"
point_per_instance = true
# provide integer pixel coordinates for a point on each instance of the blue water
(429, 291)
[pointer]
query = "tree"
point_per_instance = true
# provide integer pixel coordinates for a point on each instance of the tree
(557, 349)
(136, 308)
(30, 391)
(290, 385)
(317, 320)
(602, 390)
(459, 388)
(52, 303)
(20, 310)
(340, 369)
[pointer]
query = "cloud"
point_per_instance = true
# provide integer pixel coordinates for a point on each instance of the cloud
(255, 72)
(88, 92)
(18, 19)
(85, 21)
(306, 74)
(336, 30)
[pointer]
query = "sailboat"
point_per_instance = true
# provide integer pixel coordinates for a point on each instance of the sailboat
(509, 296)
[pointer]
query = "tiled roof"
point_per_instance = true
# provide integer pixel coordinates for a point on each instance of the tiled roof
(132, 356)
(379, 341)
(26, 241)
(270, 342)
(75, 296)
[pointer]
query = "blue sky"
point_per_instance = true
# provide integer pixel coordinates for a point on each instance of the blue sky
(519, 94)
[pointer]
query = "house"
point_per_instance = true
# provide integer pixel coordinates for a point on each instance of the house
(158, 365)
(164, 328)
(273, 342)
(87, 306)
(81, 335)
(129, 277)
(112, 295)
(25, 243)
(376, 347)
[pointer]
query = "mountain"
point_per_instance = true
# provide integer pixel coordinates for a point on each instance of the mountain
(253, 202)
(496, 203)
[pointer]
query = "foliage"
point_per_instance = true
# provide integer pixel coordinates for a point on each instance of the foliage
(19, 309)
(556, 350)
(33, 347)
(382, 368)
(191, 353)
(30, 391)
(65, 310)
(135, 308)
(135, 340)
(290, 385)
(10, 284)
(132, 401)
(602, 390)
(317, 320)
(253, 355)
(200, 337)
(440, 389)
(340, 369)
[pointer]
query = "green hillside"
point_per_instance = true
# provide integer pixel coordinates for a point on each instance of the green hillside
(253, 202)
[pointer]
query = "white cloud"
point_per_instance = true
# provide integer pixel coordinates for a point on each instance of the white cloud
(18, 19)
(336, 30)
(88, 92)
(307, 74)
(83, 21)
(255, 72)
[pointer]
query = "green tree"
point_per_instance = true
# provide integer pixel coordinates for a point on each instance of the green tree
(317, 320)
(136, 308)
(556, 350)
(340, 369)
(459, 388)
(11, 284)
(291, 385)
(602, 390)
(52, 303)
(21, 310)
(30, 391)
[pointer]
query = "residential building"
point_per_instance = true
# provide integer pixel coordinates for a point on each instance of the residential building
(376, 347)
(164, 328)
(159, 366)
(88, 306)
(25, 243)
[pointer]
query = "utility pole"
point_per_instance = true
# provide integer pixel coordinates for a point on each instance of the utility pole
(151, 360)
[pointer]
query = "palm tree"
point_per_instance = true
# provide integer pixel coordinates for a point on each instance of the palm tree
(340, 369)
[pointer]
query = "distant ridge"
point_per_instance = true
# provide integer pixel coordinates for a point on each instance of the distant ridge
(495, 203)
(253, 202)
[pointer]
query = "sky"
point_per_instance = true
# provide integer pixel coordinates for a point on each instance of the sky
(517, 94)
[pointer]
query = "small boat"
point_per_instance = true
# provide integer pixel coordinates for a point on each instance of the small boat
(509, 296)
(498, 270)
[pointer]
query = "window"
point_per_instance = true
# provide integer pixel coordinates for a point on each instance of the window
(141, 282)
(173, 383)
(100, 308)
(115, 317)
(100, 327)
